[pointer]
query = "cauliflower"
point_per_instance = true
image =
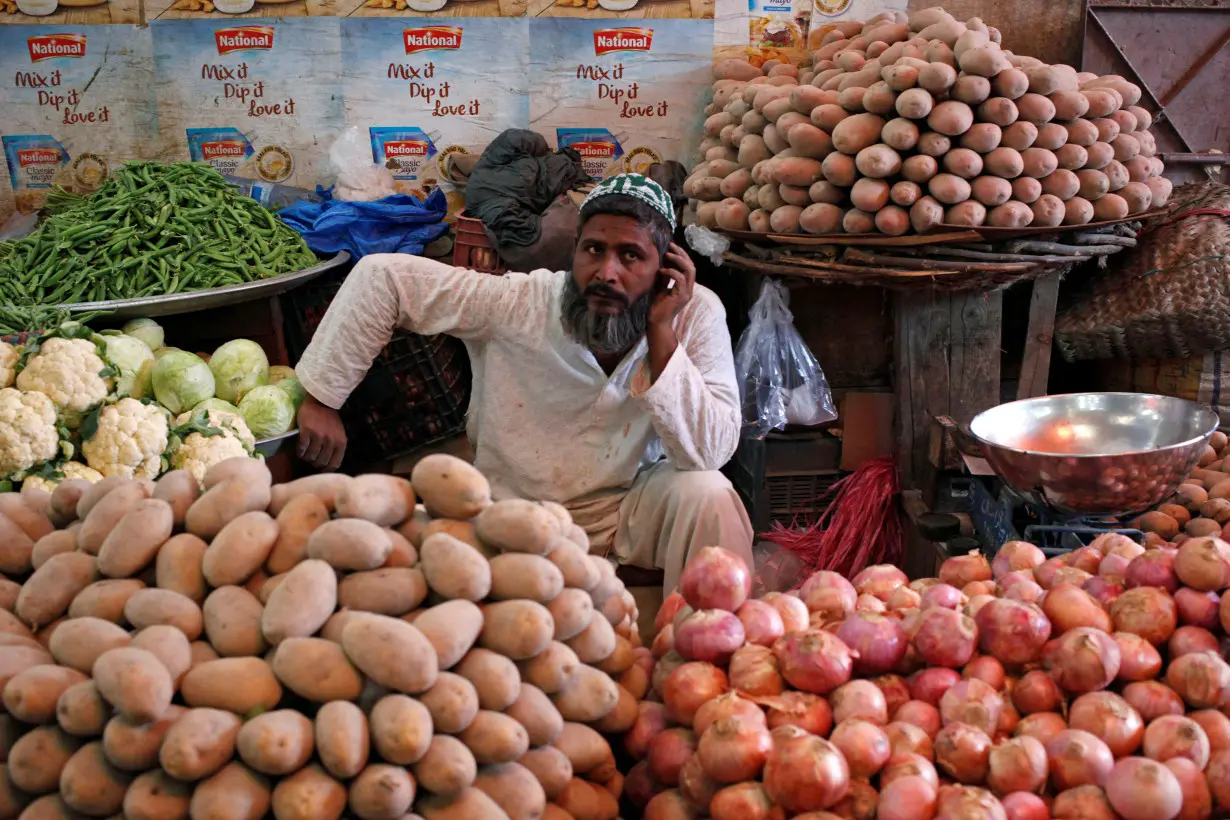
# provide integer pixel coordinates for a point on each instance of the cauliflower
(203, 438)
(69, 469)
(8, 363)
(28, 432)
(68, 367)
(126, 439)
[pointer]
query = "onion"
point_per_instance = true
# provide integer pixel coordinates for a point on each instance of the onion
(879, 580)
(1138, 659)
(814, 660)
(1145, 611)
(1218, 774)
(639, 785)
(1197, 608)
(978, 588)
(1172, 736)
(1201, 678)
(710, 635)
(1008, 720)
(734, 749)
(694, 784)
(977, 602)
(1203, 564)
(650, 720)
(688, 687)
(859, 700)
(864, 745)
(761, 622)
(1020, 586)
(724, 706)
(985, 668)
(1017, 765)
(667, 612)
(793, 611)
(808, 712)
(1103, 590)
(1083, 803)
(753, 671)
(963, 751)
(663, 642)
(715, 579)
(1109, 718)
(945, 637)
(1078, 758)
(1015, 556)
(907, 798)
(909, 765)
(1012, 631)
(1216, 727)
(806, 773)
(1197, 800)
(921, 585)
(878, 643)
(967, 803)
(1045, 572)
(895, 690)
(943, 595)
(906, 738)
(1070, 575)
(1082, 660)
(665, 665)
(1189, 639)
(1086, 559)
(921, 714)
(1025, 806)
(1153, 568)
(904, 598)
(1113, 566)
(671, 805)
(1036, 691)
(973, 702)
(869, 603)
(668, 751)
(1070, 607)
(930, 684)
(828, 593)
(1142, 789)
(1112, 542)
(744, 801)
(860, 803)
(1153, 699)
(1042, 725)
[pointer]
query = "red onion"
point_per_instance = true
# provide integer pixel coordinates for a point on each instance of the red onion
(921, 585)
(793, 611)
(1153, 568)
(895, 690)
(639, 785)
(1103, 590)
(921, 714)
(744, 801)
(814, 660)
(909, 765)
(1015, 556)
(650, 720)
(1216, 727)
(879, 580)
(1138, 659)
(967, 803)
(828, 593)
(1197, 800)
(806, 773)
(1017, 765)
(1045, 572)
(664, 641)
(904, 598)
(1083, 803)
(1114, 567)
(1173, 736)
(694, 784)
(1042, 725)
(730, 704)
(930, 684)
(808, 712)
(973, 702)
(1153, 699)
(1201, 678)
(1086, 559)
(906, 738)
(1145, 611)
(1110, 542)
(753, 671)
(1203, 564)
(1025, 806)
(710, 635)
(1142, 789)
(1218, 775)
(860, 803)
(668, 751)
(1197, 608)
(761, 622)
(974, 588)
(1109, 718)
(1223, 611)
(1036, 691)
(715, 579)
(734, 749)
(864, 745)
(907, 798)
(1020, 586)
(985, 668)
(1070, 607)
(681, 615)
(869, 603)
(1008, 720)
(962, 752)
(671, 805)
(859, 700)
(1078, 758)
(1012, 631)
(977, 602)
(689, 687)
(667, 612)
(1082, 660)
(1070, 575)
(945, 637)
(878, 643)
(1189, 639)
(943, 595)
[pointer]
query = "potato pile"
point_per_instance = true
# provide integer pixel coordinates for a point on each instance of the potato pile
(1201, 505)
(314, 649)
(904, 123)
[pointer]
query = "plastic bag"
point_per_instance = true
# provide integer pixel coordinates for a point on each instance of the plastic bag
(358, 178)
(780, 380)
(706, 242)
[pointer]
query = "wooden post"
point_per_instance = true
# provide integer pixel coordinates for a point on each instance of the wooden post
(1039, 336)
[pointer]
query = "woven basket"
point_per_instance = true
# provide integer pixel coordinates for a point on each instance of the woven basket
(1169, 298)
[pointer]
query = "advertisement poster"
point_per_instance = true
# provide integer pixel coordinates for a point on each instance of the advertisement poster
(403, 10)
(261, 100)
(75, 105)
(69, 12)
(624, 96)
(423, 92)
(623, 9)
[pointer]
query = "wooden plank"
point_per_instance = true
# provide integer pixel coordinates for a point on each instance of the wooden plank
(1046, 29)
(977, 323)
(921, 373)
(1039, 336)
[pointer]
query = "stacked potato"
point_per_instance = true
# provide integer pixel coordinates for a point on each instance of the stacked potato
(907, 123)
(308, 650)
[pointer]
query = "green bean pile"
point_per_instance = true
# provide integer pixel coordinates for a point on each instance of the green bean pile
(14, 320)
(150, 230)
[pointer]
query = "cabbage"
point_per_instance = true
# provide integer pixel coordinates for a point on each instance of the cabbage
(238, 366)
(181, 381)
(147, 330)
(218, 404)
(130, 355)
(162, 351)
(279, 372)
(268, 410)
(293, 389)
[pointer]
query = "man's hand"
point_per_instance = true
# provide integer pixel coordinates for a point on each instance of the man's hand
(322, 438)
(676, 279)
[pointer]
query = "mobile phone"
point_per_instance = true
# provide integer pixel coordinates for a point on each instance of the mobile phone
(665, 283)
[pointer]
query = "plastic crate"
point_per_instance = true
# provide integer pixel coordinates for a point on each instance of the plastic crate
(472, 249)
(785, 477)
(415, 394)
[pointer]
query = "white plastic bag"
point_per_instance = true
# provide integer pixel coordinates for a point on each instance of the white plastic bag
(358, 178)
(780, 380)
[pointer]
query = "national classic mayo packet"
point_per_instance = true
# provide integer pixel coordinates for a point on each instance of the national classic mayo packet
(226, 149)
(599, 149)
(34, 161)
(408, 154)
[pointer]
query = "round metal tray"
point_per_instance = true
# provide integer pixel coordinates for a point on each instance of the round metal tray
(191, 301)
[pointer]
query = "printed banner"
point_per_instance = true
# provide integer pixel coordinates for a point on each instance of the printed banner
(623, 9)
(260, 100)
(624, 96)
(69, 12)
(75, 105)
(221, 11)
(423, 93)
(405, 11)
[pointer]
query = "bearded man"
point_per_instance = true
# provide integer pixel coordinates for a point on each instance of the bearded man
(609, 389)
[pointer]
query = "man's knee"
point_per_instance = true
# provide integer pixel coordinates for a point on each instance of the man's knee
(700, 487)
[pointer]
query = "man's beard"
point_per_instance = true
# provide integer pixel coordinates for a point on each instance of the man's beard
(603, 333)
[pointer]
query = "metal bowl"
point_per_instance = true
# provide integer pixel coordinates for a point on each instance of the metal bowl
(1095, 453)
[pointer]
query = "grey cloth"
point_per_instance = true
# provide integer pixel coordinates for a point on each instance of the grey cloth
(555, 245)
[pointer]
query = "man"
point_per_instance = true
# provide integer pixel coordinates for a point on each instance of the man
(610, 389)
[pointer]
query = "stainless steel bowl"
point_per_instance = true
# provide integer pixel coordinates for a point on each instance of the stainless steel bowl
(1095, 453)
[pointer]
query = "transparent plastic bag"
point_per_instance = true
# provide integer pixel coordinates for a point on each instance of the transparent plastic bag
(780, 380)
(358, 178)
(707, 243)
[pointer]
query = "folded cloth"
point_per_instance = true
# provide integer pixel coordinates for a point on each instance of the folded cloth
(395, 224)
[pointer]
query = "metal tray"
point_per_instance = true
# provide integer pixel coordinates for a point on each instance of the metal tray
(269, 447)
(214, 298)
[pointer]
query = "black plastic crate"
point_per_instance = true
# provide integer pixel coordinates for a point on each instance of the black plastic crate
(785, 477)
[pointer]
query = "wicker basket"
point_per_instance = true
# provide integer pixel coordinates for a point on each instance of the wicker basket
(1168, 299)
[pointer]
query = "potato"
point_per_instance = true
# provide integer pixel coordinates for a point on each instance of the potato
(1037, 162)
(79, 641)
(1161, 188)
(495, 738)
(1004, 162)
(470, 804)
(971, 89)
(869, 194)
(301, 603)
(54, 543)
(155, 795)
(104, 599)
(1026, 189)
(1116, 175)
(62, 508)
(550, 767)
(342, 738)
(223, 503)
(514, 788)
(233, 622)
(535, 712)
(552, 668)
(919, 168)
(325, 487)
(37, 758)
(517, 629)
(135, 539)
(948, 188)
(1010, 215)
(239, 549)
(878, 161)
(401, 729)
(495, 678)
(1110, 206)
(590, 695)
(135, 682)
(758, 221)
(381, 791)
(963, 162)
(387, 591)
(106, 514)
(447, 768)
(238, 685)
(583, 799)
(179, 489)
(91, 785)
(201, 652)
(991, 191)
(855, 133)
(879, 98)
(969, 213)
(276, 743)
(317, 670)
(391, 652)
(170, 646)
(234, 793)
(147, 607)
(819, 218)
(734, 69)
(1108, 129)
(81, 710)
(178, 566)
(931, 144)
(1137, 196)
(452, 628)
(1077, 211)
(95, 492)
(1093, 184)
(858, 221)
(31, 695)
(914, 104)
(134, 747)
(47, 593)
(301, 516)
(827, 116)
(386, 500)
(455, 569)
